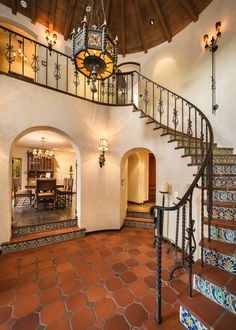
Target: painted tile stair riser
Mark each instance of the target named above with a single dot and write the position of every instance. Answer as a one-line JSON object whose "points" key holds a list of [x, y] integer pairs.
{"points": [[224, 213], [193, 151], [138, 214], [138, 224], [215, 293], [189, 321], [217, 159], [219, 260], [224, 196], [223, 234], [224, 169], [193, 145], [223, 181]]}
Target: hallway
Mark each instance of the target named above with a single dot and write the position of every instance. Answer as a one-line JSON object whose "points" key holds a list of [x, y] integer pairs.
{"points": [[105, 280]]}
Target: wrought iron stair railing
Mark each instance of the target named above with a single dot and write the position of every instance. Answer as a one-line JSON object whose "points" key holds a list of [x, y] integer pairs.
{"points": [[176, 116]]}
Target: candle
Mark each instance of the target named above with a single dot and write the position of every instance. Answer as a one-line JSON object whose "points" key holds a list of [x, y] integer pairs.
{"points": [[164, 187]]}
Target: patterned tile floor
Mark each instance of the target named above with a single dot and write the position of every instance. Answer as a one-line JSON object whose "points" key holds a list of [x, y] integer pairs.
{"points": [[103, 281]]}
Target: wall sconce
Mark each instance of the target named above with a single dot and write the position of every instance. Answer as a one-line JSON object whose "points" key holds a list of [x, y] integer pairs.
{"points": [[103, 146], [51, 40], [212, 46]]}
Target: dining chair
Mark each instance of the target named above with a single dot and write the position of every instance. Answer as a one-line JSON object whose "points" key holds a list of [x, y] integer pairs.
{"points": [[45, 192], [19, 193]]}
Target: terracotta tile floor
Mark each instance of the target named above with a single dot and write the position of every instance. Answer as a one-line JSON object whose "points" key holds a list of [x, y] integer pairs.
{"points": [[103, 281]]}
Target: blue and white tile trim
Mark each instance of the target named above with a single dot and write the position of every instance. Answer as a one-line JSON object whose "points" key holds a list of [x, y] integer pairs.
{"points": [[215, 293], [219, 260], [224, 196], [223, 234], [189, 321]]}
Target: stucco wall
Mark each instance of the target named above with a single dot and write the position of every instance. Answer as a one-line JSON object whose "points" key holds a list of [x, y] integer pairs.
{"points": [[24, 106]]}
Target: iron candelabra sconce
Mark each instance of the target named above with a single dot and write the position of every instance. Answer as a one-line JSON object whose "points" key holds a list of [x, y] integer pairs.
{"points": [[103, 146], [51, 40], [213, 46]]}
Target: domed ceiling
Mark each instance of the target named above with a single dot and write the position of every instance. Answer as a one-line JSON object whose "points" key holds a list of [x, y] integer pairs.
{"points": [[139, 24]]}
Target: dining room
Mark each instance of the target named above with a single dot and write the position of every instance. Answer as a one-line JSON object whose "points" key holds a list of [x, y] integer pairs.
{"points": [[44, 180]]}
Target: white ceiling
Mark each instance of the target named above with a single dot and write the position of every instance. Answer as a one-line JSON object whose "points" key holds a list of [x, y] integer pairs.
{"points": [[53, 141]]}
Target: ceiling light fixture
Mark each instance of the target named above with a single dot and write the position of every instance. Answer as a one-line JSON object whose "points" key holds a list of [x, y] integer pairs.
{"points": [[94, 54], [23, 4], [43, 153], [151, 21]]}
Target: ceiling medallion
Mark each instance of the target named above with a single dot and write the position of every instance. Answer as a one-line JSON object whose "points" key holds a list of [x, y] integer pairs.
{"points": [[94, 54]]}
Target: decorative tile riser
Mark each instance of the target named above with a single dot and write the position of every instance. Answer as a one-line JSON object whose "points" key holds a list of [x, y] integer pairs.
{"points": [[224, 213], [27, 230], [220, 260], [223, 234], [180, 137], [215, 293], [189, 321], [224, 196], [138, 224], [223, 181], [194, 151], [191, 144], [223, 169], [20, 246], [139, 215], [221, 159]]}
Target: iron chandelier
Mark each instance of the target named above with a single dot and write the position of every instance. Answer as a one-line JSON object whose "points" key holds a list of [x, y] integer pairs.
{"points": [[94, 54]]}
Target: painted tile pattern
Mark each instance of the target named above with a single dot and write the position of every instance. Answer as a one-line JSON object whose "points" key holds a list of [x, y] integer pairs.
{"points": [[138, 214], [220, 260], [189, 321], [215, 293], [138, 224], [223, 181], [224, 213], [223, 234], [215, 151], [221, 159], [224, 196]]}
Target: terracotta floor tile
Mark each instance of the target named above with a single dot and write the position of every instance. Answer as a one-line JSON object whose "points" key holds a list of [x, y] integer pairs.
{"points": [[90, 280], [71, 286], [6, 297], [105, 253], [76, 301], [47, 282], [68, 275], [8, 284], [132, 262], [63, 267], [128, 277], [26, 278], [117, 249], [45, 264], [59, 325], [29, 322], [142, 271], [149, 303], [83, 319], [113, 284], [139, 288], [5, 314], [27, 269], [25, 306], [96, 293], [50, 295], [106, 274], [104, 308], [150, 281], [136, 315], [27, 290], [119, 267], [117, 322], [178, 286], [151, 265], [168, 295], [83, 270], [50, 271], [52, 312], [123, 297]]}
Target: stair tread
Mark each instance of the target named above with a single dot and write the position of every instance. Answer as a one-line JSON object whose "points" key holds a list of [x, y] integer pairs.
{"points": [[202, 308], [221, 223], [227, 322], [223, 204], [215, 275], [42, 235], [222, 247], [139, 219]]}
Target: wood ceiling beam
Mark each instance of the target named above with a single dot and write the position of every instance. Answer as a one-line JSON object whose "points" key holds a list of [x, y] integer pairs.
{"points": [[13, 5], [162, 19], [107, 11], [52, 14], [69, 18], [122, 21], [33, 11], [189, 8], [140, 25]]}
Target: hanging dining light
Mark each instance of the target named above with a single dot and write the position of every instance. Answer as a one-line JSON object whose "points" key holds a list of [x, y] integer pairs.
{"points": [[42, 152], [94, 54]]}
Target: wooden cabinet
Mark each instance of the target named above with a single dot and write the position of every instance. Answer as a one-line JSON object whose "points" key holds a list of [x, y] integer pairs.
{"points": [[38, 167]]}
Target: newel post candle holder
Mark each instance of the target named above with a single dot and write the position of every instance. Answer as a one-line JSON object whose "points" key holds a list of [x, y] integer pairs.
{"points": [[164, 190]]}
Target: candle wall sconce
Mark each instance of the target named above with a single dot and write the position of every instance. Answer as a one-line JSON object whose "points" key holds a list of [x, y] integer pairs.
{"points": [[103, 146], [213, 46]]}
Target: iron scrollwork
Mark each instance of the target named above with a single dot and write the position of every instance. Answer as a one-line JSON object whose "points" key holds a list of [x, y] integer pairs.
{"points": [[57, 71], [10, 55], [35, 63]]}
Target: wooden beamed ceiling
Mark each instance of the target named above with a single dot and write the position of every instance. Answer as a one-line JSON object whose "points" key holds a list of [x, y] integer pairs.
{"points": [[129, 19]]}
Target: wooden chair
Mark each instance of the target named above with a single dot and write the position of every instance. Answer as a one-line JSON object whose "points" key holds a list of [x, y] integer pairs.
{"points": [[64, 194], [45, 192], [20, 193]]}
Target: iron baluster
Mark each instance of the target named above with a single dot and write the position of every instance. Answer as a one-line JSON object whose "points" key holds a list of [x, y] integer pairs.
{"points": [[160, 106], [202, 194], [67, 74], [168, 107], [195, 121], [132, 88], [183, 233], [160, 216], [175, 119], [177, 233], [153, 102], [10, 55], [182, 115], [23, 57], [46, 66], [35, 63], [190, 232]]}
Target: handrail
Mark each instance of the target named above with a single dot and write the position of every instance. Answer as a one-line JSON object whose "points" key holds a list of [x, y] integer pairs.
{"points": [[169, 111]]}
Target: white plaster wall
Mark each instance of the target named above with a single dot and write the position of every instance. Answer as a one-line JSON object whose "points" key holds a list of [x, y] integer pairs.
{"points": [[23, 106], [184, 66]]}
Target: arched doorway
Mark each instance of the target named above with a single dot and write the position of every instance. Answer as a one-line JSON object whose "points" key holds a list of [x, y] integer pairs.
{"points": [[43, 156], [138, 180]]}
